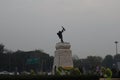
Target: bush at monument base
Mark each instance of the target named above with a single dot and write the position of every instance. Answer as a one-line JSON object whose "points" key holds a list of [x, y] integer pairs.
{"points": [[67, 71], [106, 73]]}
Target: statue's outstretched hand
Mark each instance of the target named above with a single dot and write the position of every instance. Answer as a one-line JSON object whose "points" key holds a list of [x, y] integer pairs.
{"points": [[63, 28]]}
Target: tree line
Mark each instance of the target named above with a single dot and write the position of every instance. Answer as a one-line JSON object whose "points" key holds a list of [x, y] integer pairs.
{"points": [[91, 63], [38, 60]]}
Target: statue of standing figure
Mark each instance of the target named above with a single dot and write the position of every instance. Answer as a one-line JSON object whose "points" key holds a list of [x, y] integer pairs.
{"points": [[60, 34]]}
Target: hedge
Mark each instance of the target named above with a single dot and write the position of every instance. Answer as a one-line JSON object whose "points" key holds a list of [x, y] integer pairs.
{"points": [[51, 77]]}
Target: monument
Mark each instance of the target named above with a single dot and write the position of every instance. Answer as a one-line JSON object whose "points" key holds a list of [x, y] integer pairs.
{"points": [[63, 54]]}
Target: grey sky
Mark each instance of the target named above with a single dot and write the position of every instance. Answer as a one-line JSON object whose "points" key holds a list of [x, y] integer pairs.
{"points": [[92, 25]]}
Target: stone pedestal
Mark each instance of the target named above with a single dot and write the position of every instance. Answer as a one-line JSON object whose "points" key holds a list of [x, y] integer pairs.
{"points": [[63, 55]]}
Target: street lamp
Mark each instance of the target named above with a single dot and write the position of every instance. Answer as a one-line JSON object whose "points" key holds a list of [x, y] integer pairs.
{"points": [[116, 42]]}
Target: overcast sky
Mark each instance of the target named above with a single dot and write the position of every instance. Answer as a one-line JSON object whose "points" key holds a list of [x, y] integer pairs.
{"points": [[92, 26]]}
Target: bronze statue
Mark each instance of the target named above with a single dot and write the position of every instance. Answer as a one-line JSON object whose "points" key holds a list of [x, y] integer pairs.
{"points": [[60, 34]]}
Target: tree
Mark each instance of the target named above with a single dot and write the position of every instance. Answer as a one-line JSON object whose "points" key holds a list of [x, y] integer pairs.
{"points": [[9, 61], [108, 61], [1, 48], [88, 64], [94, 61], [76, 61], [117, 58], [75, 57]]}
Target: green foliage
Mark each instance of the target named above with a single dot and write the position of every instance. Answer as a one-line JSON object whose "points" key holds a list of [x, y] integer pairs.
{"points": [[41, 61], [32, 72], [25, 61], [69, 71], [94, 60], [1, 48], [58, 72], [108, 73], [108, 61], [60, 69], [103, 70], [38, 77], [75, 71], [117, 58], [89, 63]]}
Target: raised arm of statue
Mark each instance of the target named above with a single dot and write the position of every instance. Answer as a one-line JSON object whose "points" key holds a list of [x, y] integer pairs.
{"points": [[63, 29], [60, 34]]}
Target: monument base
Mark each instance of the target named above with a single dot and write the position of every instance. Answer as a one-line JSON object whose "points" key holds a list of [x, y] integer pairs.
{"points": [[63, 55]]}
